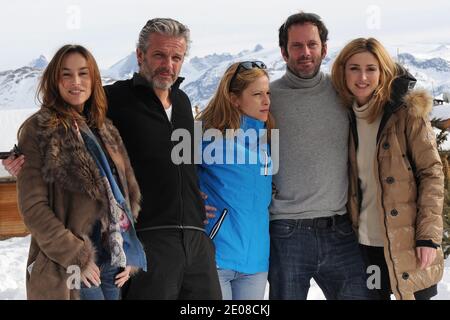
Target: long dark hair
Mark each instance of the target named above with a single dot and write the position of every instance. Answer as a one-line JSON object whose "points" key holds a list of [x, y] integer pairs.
{"points": [[49, 96]]}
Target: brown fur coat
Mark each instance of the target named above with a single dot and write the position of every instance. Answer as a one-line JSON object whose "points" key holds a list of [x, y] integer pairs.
{"points": [[60, 198]]}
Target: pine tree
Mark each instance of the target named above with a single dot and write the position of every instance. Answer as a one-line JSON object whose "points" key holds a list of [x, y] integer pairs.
{"points": [[446, 212]]}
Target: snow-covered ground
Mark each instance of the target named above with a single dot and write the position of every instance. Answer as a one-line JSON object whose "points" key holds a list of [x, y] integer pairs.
{"points": [[441, 111], [14, 252], [13, 259]]}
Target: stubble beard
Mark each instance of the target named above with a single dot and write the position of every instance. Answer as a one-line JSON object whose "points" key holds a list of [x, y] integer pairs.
{"points": [[303, 75], [152, 80]]}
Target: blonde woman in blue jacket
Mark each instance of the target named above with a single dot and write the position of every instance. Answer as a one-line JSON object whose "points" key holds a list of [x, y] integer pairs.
{"points": [[236, 176]]}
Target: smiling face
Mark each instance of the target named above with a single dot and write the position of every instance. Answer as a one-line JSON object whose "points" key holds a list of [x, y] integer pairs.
{"points": [[161, 63], [362, 76], [254, 101], [305, 50], [75, 84]]}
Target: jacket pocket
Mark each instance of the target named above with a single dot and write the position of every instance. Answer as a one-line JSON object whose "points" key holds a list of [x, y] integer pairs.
{"points": [[344, 229], [282, 228], [37, 265]]}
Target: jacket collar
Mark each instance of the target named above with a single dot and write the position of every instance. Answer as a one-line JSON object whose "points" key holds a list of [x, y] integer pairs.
{"points": [[251, 123], [296, 82], [65, 159], [400, 86]]}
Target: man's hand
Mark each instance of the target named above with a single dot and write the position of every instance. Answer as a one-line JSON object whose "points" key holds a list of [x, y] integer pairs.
{"points": [[13, 164], [123, 277], [210, 210], [426, 256]]}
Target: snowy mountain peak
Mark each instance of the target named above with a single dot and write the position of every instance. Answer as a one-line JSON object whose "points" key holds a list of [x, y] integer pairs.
{"points": [[39, 63], [437, 64], [258, 47], [124, 68], [210, 60], [432, 71], [442, 47]]}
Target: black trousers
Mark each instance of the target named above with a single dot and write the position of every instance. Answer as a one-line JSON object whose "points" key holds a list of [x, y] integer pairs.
{"points": [[181, 265], [375, 256]]}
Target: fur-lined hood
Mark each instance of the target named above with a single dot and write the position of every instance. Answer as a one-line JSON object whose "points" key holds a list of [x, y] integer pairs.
{"points": [[419, 103]]}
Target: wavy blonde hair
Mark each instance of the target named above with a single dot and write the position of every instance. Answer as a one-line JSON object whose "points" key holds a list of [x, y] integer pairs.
{"points": [[388, 72]]}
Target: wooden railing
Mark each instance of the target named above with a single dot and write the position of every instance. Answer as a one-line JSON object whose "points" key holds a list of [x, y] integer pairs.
{"points": [[11, 223]]}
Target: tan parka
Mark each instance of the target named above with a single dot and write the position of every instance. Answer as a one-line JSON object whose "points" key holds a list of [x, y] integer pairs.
{"points": [[60, 196], [410, 189]]}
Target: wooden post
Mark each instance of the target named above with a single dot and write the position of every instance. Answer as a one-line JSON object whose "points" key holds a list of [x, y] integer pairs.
{"points": [[11, 223]]}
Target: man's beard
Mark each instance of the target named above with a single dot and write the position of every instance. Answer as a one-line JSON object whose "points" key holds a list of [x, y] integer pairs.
{"points": [[153, 80], [309, 75]]}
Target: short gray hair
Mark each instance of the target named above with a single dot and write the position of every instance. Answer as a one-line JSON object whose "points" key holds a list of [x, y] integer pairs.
{"points": [[164, 26]]}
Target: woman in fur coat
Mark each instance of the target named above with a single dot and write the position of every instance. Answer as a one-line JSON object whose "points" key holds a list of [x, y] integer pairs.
{"points": [[76, 191], [396, 187]]}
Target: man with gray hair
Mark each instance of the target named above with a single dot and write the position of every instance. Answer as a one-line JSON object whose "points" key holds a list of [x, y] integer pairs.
{"points": [[147, 109]]}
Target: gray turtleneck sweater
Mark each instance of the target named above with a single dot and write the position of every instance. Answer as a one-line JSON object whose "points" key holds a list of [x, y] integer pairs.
{"points": [[312, 179]]}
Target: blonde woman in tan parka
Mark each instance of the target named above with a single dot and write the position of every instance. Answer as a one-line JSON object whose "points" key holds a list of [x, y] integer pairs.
{"points": [[396, 188]]}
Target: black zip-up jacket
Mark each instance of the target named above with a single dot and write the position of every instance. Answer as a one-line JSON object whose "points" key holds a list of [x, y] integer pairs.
{"points": [[170, 193]]}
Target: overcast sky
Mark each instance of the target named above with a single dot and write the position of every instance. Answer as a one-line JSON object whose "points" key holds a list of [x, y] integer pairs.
{"points": [[109, 28]]}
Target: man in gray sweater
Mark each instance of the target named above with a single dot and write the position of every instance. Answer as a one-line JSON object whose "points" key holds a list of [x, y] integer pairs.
{"points": [[311, 234]]}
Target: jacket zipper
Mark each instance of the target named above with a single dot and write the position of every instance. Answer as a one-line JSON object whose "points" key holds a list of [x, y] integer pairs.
{"points": [[266, 164], [218, 224], [180, 185], [180, 177], [355, 137]]}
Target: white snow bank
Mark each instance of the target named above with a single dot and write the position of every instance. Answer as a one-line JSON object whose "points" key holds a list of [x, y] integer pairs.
{"points": [[13, 258]]}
